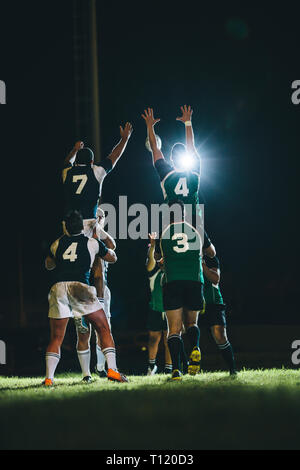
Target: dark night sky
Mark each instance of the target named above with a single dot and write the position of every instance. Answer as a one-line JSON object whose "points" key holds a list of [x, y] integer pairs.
{"points": [[234, 65]]}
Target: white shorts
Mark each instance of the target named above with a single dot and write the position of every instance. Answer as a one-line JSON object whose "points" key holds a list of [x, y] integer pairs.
{"points": [[88, 227], [72, 299]]}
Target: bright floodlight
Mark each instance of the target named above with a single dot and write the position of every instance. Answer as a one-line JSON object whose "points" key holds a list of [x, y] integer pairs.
{"points": [[186, 161]]}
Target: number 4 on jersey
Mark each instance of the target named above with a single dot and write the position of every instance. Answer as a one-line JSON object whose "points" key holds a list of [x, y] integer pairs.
{"points": [[181, 187], [70, 252]]}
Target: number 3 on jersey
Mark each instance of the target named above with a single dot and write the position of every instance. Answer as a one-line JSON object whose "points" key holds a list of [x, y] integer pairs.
{"points": [[70, 252], [182, 242], [181, 187], [82, 179]]}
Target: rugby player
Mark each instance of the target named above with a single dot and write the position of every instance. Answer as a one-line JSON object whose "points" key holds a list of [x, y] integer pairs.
{"points": [[181, 248], [215, 310], [71, 258], [177, 181], [157, 324], [82, 178], [99, 274]]}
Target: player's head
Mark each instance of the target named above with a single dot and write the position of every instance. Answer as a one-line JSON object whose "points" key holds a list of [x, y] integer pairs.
{"points": [[100, 214], [177, 152], [176, 207], [74, 222], [84, 156]]}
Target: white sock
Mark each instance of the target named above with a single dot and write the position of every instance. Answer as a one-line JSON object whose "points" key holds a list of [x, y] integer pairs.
{"points": [[100, 359], [52, 359], [110, 356], [84, 360]]}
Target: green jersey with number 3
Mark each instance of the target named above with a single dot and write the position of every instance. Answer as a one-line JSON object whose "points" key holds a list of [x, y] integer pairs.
{"points": [[181, 248]]}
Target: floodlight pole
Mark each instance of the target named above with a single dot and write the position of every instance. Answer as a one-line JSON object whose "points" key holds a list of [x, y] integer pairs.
{"points": [[95, 81]]}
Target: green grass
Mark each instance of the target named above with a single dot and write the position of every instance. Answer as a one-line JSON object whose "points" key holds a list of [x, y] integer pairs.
{"points": [[257, 410]]}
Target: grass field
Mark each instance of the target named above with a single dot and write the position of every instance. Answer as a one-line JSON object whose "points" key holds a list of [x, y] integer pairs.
{"points": [[259, 409]]}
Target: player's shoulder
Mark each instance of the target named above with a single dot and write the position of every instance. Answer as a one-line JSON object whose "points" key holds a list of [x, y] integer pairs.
{"points": [[105, 166], [163, 168]]}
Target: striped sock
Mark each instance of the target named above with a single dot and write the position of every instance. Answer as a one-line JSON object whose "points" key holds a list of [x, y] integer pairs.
{"points": [[227, 354], [52, 359], [110, 356], [168, 367], [174, 343], [84, 360], [100, 359]]}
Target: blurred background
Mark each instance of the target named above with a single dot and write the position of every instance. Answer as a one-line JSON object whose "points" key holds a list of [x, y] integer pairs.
{"points": [[76, 70]]}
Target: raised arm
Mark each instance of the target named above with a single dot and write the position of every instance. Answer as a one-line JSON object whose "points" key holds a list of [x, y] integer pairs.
{"points": [[150, 123], [186, 118], [151, 262], [118, 150], [70, 158]]}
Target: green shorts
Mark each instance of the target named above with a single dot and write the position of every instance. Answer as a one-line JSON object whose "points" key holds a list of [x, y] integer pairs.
{"points": [[157, 321]]}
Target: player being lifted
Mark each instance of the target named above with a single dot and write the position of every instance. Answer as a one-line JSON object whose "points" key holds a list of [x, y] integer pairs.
{"points": [[182, 180], [82, 178], [157, 323], [215, 316], [71, 258], [181, 248]]}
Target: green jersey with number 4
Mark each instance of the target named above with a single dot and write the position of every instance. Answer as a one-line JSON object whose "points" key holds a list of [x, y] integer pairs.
{"points": [[181, 248], [182, 185]]}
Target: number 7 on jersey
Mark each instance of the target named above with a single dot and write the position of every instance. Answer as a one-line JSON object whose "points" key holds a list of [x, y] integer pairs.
{"points": [[82, 179]]}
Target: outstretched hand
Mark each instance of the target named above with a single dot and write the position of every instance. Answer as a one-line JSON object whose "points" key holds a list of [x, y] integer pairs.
{"points": [[149, 118], [186, 114], [152, 238], [127, 131]]}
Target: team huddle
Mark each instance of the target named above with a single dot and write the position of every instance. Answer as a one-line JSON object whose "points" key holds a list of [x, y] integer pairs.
{"points": [[183, 269]]}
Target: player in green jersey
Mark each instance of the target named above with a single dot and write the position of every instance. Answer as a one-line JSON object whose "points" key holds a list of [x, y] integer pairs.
{"points": [[181, 248], [215, 316], [157, 322], [181, 179]]}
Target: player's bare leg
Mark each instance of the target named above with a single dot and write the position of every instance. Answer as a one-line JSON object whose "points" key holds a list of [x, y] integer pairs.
{"points": [[99, 322], [174, 318], [220, 336], [193, 334], [57, 334], [153, 342], [84, 353]]}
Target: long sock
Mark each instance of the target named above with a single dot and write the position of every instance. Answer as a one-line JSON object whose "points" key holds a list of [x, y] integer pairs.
{"points": [[183, 357], [151, 363], [168, 368], [193, 334], [227, 354], [84, 360], [110, 356], [174, 343], [52, 359], [100, 359]]}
